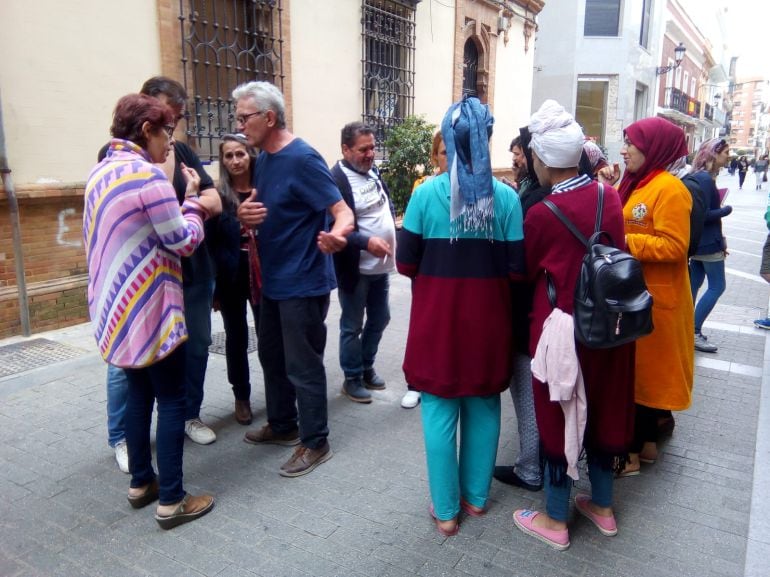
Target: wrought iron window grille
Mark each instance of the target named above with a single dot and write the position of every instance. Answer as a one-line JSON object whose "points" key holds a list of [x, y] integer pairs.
{"points": [[387, 59], [225, 43]]}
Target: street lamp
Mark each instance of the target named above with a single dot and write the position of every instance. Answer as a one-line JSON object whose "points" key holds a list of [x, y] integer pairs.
{"points": [[678, 57]]}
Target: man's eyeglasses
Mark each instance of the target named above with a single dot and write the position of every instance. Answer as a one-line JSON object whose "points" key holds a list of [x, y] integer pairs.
{"points": [[245, 117]]}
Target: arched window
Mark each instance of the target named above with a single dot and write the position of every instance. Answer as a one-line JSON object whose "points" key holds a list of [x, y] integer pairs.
{"points": [[470, 68]]}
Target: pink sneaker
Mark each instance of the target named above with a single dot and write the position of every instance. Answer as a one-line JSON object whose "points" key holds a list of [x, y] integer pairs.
{"points": [[523, 518], [606, 525]]}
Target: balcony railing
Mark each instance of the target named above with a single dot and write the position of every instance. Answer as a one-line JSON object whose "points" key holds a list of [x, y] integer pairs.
{"points": [[679, 101]]}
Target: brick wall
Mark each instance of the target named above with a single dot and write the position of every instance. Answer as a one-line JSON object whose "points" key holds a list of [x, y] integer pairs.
{"points": [[51, 219]]}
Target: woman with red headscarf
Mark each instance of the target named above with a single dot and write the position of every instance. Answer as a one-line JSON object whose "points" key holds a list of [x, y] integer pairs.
{"points": [[657, 222]]}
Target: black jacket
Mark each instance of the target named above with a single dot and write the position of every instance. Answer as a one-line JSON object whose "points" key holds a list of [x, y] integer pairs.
{"points": [[346, 261], [711, 240]]}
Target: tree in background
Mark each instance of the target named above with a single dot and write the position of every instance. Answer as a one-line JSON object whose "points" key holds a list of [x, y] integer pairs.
{"points": [[408, 149]]}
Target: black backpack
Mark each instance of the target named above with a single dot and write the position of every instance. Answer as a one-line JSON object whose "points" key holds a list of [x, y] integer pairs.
{"points": [[698, 212], [612, 305]]}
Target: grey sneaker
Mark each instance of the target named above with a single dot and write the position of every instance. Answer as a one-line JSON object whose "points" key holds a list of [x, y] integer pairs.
{"points": [[702, 344], [373, 381], [354, 390]]}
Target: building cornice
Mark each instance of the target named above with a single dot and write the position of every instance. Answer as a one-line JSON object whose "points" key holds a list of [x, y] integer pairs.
{"points": [[533, 6]]}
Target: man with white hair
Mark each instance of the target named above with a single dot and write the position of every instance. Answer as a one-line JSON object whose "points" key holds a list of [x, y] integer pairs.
{"points": [[293, 196]]}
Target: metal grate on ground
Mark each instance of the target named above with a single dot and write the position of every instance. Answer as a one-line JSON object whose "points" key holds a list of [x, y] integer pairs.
{"points": [[218, 342], [34, 354]]}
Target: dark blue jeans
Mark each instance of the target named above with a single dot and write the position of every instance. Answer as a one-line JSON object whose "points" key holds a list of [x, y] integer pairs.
{"points": [[358, 340], [197, 317], [164, 381], [232, 304], [714, 272], [292, 339]]}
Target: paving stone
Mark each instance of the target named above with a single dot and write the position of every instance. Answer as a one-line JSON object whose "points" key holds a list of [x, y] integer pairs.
{"points": [[364, 513]]}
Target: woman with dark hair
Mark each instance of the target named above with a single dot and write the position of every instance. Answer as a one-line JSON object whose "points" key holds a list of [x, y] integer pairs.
{"points": [[234, 248], [134, 232], [657, 222], [708, 261], [743, 168]]}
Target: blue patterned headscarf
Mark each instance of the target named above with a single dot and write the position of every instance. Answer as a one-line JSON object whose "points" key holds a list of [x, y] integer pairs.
{"points": [[466, 129]]}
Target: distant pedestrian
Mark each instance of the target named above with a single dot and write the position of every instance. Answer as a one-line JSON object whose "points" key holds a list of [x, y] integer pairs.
{"points": [[293, 201], [760, 171], [134, 233], [743, 168], [657, 224], [461, 243], [708, 261], [733, 166], [363, 267]]}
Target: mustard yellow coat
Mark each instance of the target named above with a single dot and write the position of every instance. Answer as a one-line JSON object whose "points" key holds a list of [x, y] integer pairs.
{"points": [[657, 224]]}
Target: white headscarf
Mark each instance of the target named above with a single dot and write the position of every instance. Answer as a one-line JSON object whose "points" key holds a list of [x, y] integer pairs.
{"points": [[556, 138]]}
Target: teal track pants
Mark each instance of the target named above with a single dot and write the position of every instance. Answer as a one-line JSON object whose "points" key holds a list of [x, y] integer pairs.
{"points": [[471, 475]]}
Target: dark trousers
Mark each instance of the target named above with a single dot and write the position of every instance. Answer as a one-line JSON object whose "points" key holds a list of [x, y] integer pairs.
{"points": [[197, 318], [292, 339], [741, 178], [164, 381], [232, 304], [646, 426]]}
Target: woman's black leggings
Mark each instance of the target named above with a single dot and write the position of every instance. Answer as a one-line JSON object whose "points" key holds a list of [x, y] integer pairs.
{"points": [[646, 426]]}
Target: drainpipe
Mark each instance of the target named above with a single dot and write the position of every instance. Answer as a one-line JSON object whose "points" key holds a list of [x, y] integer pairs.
{"points": [[18, 256]]}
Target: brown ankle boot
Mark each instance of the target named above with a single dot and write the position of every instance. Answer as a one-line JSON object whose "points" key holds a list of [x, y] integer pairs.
{"points": [[243, 412]]}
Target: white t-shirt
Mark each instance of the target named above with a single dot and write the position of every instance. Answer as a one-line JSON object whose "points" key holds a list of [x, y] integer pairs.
{"points": [[373, 217]]}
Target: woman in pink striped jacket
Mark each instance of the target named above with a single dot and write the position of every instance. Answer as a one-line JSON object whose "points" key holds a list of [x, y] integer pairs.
{"points": [[134, 232]]}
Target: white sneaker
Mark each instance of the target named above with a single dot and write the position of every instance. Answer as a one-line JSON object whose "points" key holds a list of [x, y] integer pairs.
{"points": [[411, 399], [121, 455], [199, 433]]}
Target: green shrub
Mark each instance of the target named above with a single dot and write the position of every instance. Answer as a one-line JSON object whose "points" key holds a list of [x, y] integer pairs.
{"points": [[408, 147]]}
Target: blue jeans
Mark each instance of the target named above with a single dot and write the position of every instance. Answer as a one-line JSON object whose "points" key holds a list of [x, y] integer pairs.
{"points": [[359, 341], [197, 317], [232, 304], [468, 476], [715, 273], [292, 339], [164, 381], [117, 394], [557, 496]]}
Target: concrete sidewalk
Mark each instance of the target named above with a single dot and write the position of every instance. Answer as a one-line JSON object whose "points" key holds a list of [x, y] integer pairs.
{"points": [[702, 510]]}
